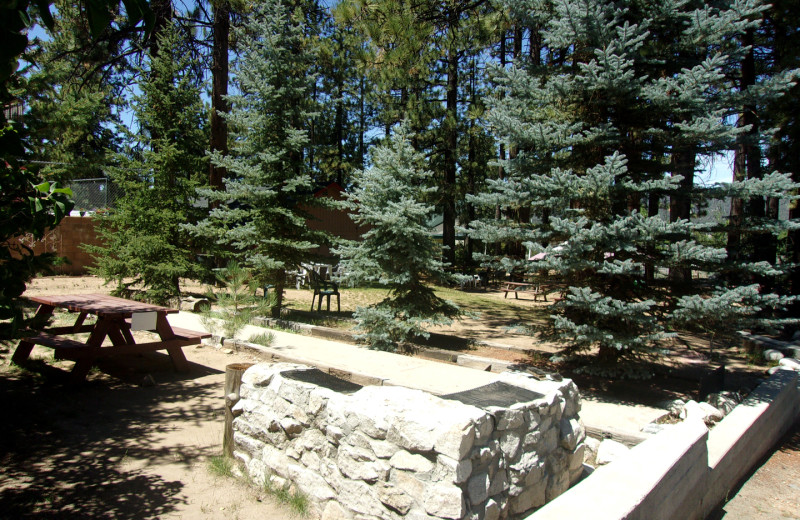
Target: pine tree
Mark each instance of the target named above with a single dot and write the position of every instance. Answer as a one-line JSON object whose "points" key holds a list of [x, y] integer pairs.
{"points": [[609, 127], [144, 241], [397, 252], [260, 217], [70, 99]]}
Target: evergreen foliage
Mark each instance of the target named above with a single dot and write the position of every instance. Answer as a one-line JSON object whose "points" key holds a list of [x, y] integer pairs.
{"points": [[144, 241], [71, 98], [397, 251], [235, 304], [612, 122], [260, 217]]}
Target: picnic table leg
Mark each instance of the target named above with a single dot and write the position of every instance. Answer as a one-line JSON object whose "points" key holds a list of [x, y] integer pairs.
{"points": [[79, 321], [24, 348], [119, 333], [176, 354], [22, 353], [84, 364]]}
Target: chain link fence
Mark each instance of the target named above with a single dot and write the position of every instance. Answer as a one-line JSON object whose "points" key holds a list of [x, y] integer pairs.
{"points": [[94, 194]]}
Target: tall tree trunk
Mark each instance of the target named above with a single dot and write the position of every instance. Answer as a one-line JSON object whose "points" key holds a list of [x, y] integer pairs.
{"points": [[653, 204], [743, 158], [680, 203], [339, 129], [502, 150], [450, 159], [162, 16], [219, 89], [362, 121]]}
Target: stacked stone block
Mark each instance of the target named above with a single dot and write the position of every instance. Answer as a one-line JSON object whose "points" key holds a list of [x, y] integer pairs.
{"points": [[396, 453]]}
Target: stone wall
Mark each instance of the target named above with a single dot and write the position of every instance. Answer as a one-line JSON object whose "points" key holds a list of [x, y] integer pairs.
{"points": [[386, 452]]}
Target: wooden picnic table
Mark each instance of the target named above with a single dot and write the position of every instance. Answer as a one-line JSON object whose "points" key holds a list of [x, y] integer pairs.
{"points": [[116, 317], [516, 287]]}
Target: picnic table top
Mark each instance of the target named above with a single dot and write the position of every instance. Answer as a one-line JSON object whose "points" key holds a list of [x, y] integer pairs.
{"points": [[518, 284], [100, 304]]}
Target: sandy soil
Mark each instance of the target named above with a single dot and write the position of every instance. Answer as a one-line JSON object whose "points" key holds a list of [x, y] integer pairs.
{"points": [[773, 491], [114, 448]]}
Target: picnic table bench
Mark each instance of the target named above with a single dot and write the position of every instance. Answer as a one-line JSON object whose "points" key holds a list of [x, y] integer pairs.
{"points": [[116, 318]]}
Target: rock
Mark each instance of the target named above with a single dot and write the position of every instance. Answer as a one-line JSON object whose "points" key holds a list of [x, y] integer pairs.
{"points": [[610, 450], [360, 464], [311, 483], [491, 510], [571, 434], [791, 364], [383, 449], [774, 369], [724, 401], [498, 483], [710, 414], [509, 419], [361, 498], [701, 411], [278, 482], [291, 426], [556, 485], [773, 355], [451, 470], [510, 443], [334, 511], [478, 488], [227, 351], [194, 304], [394, 498], [673, 406], [416, 463], [590, 453], [444, 501], [148, 381], [533, 496], [692, 410], [577, 456]]}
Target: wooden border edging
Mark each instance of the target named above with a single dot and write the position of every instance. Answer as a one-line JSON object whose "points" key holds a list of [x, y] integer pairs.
{"points": [[685, 471]]}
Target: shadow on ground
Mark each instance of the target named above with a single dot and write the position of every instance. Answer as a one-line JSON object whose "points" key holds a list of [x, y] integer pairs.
{"points": [[63, 449]]}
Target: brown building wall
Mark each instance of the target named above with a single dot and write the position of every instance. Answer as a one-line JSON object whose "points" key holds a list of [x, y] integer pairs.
{"points": [[67, 238], [66, 241]]}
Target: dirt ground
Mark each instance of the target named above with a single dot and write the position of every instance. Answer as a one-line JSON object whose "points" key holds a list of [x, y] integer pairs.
{"points": [[113, 448], [117, 449], [773, 490]]}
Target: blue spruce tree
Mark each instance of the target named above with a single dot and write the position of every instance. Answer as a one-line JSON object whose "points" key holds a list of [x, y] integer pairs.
{"points": [[609, 122], [398, 251]]}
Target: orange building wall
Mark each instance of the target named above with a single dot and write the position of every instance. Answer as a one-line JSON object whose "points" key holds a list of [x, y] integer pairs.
{"points": [[66, 240], [68, 237]]}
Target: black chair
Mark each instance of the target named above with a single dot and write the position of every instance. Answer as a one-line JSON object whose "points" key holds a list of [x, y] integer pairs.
{"points": [[322, 288]]}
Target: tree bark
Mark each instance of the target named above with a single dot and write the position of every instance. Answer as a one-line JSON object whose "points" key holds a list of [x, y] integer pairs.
{"points": [[745, 162], [450, 159], [680, 203], [219, 89]]}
